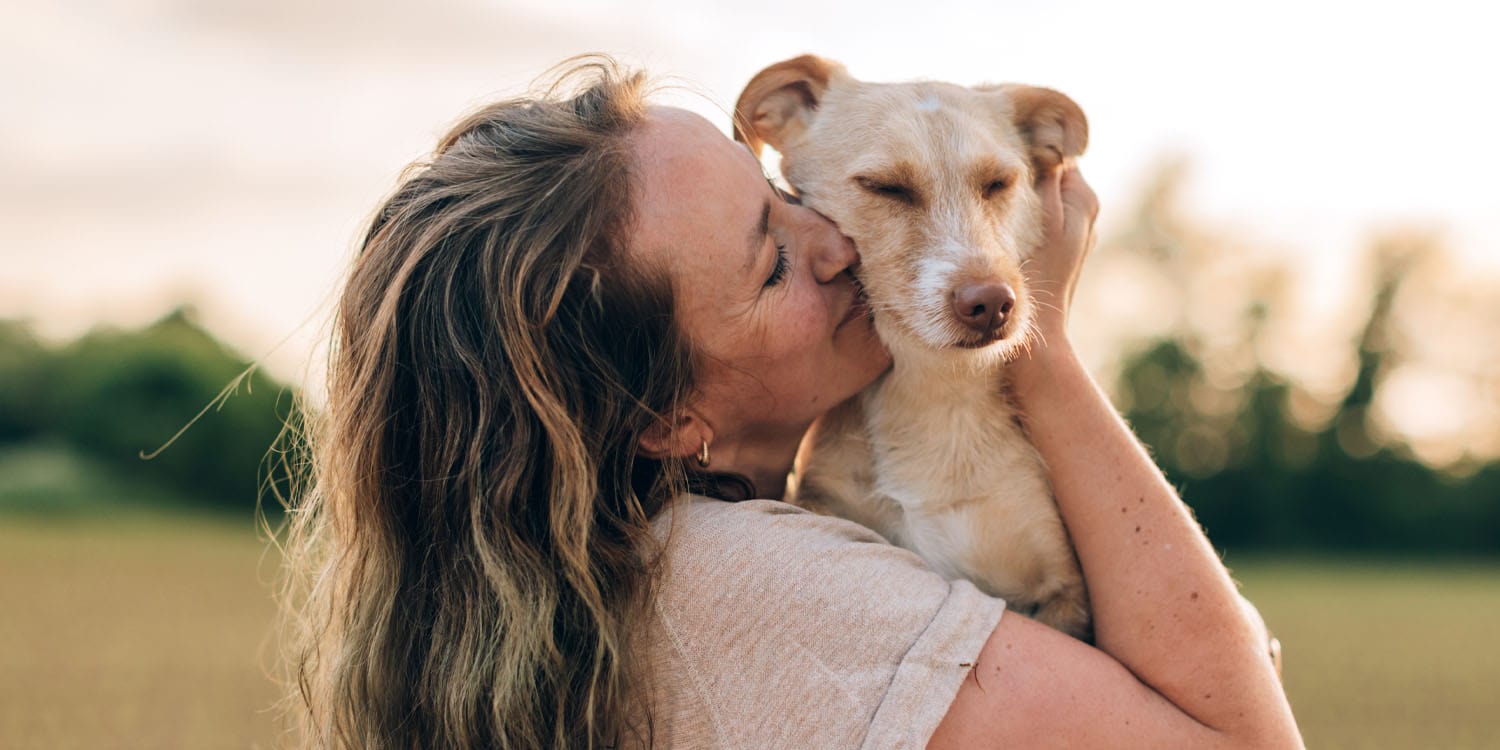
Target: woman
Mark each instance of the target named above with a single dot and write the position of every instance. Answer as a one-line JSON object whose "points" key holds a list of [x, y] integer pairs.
{"points": [[580, 309]]}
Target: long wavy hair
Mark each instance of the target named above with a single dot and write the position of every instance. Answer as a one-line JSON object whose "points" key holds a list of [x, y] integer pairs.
{"points": [[473, 554]]}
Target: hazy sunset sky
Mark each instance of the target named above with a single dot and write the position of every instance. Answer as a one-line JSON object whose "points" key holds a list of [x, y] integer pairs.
{"points": [[226, 152]]}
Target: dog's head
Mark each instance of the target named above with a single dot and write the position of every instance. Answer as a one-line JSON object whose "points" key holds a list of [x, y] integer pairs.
{"points": [[935, 183]]}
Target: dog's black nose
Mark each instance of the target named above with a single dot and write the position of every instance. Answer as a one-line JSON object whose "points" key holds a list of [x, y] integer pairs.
{"points": [[982, 307]]}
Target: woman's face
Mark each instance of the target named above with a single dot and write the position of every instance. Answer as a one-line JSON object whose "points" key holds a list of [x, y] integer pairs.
{"points": [[762, 284]]}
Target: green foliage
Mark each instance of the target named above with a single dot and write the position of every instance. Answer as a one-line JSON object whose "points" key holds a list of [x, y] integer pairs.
{"points": [[112, 396], [24, 364], [1220, 420], [1256, 479]]}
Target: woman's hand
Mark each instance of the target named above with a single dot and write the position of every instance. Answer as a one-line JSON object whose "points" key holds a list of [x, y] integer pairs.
{"points": [[1070, 208]]}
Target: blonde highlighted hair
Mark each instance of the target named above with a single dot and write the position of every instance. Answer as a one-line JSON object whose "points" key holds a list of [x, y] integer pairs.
{"points": [[473, 554]]}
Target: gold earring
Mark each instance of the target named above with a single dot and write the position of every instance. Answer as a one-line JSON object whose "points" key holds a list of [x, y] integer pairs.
{"points": [[703, 455]]}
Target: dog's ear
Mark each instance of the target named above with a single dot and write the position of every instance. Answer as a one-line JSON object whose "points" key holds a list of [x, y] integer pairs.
{"points": [[779, 102], [1053, 125]]}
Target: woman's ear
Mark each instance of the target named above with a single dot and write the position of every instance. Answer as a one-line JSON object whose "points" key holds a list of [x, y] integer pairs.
{"points": [[680, 436]]}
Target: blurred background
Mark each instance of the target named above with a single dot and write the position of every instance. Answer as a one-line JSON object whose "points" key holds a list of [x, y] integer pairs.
{"points": [[1296, 301]]}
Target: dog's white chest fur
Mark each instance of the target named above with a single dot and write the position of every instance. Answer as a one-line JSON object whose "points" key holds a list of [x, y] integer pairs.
{"points": [[941, 467]]}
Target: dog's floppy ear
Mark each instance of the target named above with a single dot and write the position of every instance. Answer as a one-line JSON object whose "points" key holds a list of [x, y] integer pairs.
{"points": [[1052, 124], [779, 102]]}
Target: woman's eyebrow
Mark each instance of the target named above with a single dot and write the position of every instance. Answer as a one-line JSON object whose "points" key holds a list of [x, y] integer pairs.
{"points": [[758, 235]]}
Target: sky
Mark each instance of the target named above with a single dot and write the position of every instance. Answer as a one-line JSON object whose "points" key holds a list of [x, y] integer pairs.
{"points": [[226, 153]]}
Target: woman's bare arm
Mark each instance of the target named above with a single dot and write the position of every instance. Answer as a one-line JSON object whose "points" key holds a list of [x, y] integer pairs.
{"points": [[1179, 662]]}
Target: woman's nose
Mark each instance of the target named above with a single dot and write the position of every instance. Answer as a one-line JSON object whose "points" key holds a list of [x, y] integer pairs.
{"points": [[835, 253]]}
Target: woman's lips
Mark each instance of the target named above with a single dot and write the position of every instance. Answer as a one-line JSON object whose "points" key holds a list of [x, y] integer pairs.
{"points": [[858, 307]]}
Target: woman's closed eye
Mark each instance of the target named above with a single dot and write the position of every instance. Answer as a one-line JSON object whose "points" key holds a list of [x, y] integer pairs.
{"points": [[783, 264], [779, 271]]}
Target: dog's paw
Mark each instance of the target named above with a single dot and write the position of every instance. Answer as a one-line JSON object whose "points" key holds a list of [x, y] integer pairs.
{"points": [[1068, 611]]}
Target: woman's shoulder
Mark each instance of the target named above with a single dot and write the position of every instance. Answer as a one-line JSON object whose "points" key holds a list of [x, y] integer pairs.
{"points": [[720, 550], [698, 516], [817, 617], [698, 531]]}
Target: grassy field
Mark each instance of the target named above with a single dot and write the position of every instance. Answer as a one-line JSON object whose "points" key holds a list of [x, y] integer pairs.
{"points": [[133, 632], [153, 633], [1386, 655]]}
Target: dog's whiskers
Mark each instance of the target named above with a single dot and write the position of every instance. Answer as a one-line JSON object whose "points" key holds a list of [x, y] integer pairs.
{"points": [[1048, 305]]}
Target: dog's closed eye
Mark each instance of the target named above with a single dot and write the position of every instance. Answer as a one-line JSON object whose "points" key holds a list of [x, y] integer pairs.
{"points": [[994, 177], [885, 189], [995, 188]]}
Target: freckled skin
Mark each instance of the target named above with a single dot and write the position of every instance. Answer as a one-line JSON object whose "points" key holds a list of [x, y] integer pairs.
{"points": [[772, 358]]}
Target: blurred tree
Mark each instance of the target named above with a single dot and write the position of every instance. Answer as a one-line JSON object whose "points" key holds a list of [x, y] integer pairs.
{"points": [[116, 395], [24, 364], [1219, 419]]}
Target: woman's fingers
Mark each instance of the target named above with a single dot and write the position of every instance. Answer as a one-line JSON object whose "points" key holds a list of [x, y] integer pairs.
{"points": [[1069, 207], [1080, 209], [1076, 193], [1050, 189]]}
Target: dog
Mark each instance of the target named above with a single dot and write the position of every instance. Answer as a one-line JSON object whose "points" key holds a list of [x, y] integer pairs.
{"points": [[935, 184]]}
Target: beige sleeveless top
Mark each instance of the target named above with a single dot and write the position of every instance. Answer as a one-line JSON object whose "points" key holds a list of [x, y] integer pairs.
{"points": [[778, 628]]}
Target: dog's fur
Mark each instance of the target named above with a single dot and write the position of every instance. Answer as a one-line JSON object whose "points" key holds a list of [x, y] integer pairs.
{"points": [[935, 183]]}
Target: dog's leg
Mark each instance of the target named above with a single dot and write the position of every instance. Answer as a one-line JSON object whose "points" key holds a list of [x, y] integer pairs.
{"points": [[1068, 610], [835, 473]]}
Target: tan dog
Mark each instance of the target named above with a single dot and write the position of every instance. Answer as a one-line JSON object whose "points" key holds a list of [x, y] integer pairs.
{"points": [[935, 184]]}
